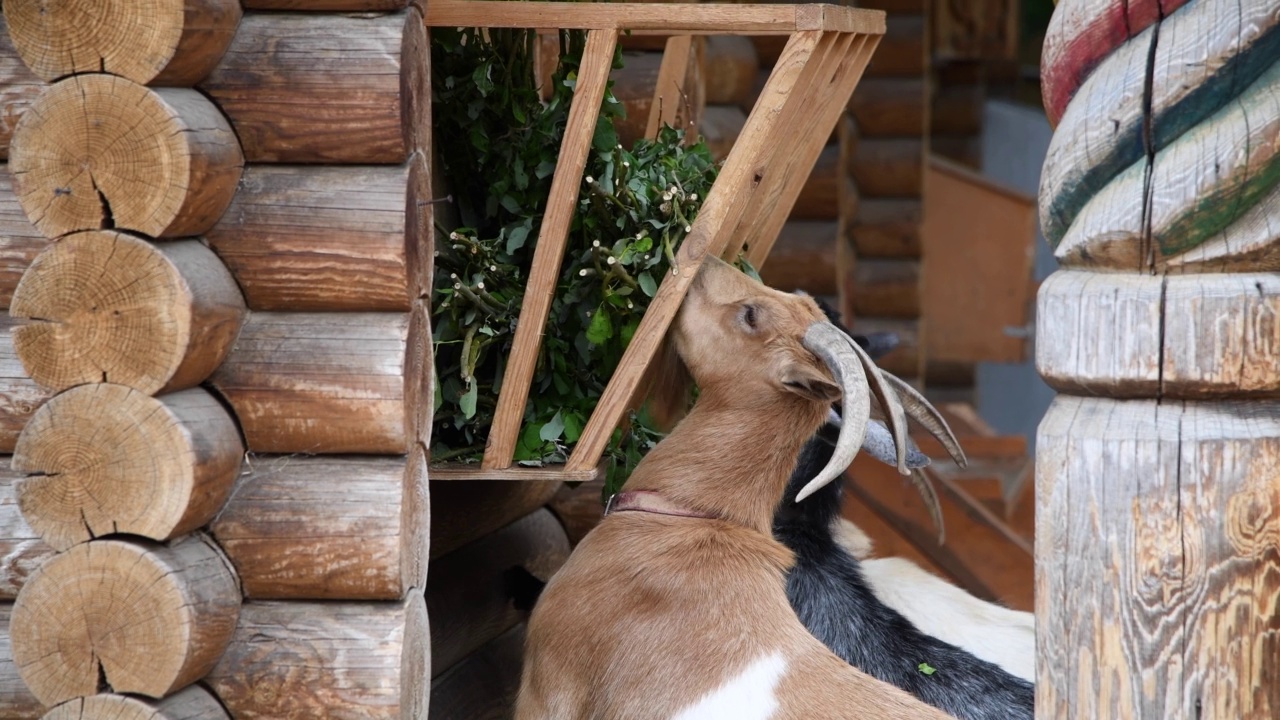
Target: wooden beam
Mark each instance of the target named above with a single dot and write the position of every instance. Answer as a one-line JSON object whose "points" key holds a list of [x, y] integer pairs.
{"points": [[593, 74]]}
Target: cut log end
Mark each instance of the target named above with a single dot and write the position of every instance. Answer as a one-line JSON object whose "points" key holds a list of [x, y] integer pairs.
{"points": [[192, 703], [99, 152], [107, 459], [151, 619], [108, 307], [172, 42]]}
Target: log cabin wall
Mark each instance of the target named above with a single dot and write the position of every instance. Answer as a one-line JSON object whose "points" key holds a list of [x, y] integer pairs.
{"points": [[1158, 465]]}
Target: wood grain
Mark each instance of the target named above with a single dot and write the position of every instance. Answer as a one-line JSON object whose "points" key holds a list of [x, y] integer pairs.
{"points": [[19, 87], [20, 242], [166, 42], [16, 701], [1190, 336], [1156, 548], [578, 508], [804, 258], [721, 126], [588, 93], [104, 306], [470, 599], [887, 288], [162, 162], [325, 88], [20, 396], [821, 194], [731, 69], [1205, 56], [887, 227], [192, 703], [326, 383], [326, 5], [21, 549], [150, 618], [889, 167], [890, 107], [328, 528], [679, 95], [368, 660], [102, 459], [328, 238], [902, 52]]}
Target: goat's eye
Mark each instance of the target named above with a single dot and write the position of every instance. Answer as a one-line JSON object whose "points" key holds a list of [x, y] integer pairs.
{"points": [[748, 316]]}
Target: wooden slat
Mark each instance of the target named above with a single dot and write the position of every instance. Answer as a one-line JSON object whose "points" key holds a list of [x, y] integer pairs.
{"points": [[593, 74], [659, 18], [671, 75], [549, 472], [847, 74], [710, 233]]}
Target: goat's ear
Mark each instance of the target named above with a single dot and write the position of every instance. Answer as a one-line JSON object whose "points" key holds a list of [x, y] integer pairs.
{"points": [[808, 382], [668, 385]]}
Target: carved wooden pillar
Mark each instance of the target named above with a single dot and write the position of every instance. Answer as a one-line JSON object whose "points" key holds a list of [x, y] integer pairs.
{"points": [[1158, 468]]}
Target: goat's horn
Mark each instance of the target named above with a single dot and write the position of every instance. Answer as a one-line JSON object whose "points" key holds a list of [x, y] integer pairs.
{"points": [[880, 444], [836, 350], [889, 402], [929, 417]]}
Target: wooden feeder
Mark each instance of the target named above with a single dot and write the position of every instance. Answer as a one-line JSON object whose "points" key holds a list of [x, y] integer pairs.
{"points": [[826, 52]]}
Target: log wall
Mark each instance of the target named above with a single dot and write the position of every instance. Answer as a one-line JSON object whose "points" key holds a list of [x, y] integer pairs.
{"points": [[1158, 545]]}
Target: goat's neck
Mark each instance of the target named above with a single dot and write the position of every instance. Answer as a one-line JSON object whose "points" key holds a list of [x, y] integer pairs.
{"points": [[731, 460]]}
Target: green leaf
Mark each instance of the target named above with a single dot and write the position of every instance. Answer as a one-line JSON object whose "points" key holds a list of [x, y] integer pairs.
{"points": [[925, 668], [516, 237], [553, 429], [605, 138], [510, 204], [643, 245], [601, 328], [437, 393], [545, 169], [468, 400], [572, 427], [647, 284]]}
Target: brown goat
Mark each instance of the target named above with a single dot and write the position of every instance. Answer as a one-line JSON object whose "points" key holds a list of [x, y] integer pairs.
{"points": [[675, 606]]}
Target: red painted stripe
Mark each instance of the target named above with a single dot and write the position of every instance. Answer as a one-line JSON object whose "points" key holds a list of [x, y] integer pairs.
{"points": [[1084, 32]]}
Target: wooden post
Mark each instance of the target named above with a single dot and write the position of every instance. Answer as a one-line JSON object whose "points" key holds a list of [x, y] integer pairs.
{"points": [[21, 549], [16, 701], [1158, 541], [192, 703]]}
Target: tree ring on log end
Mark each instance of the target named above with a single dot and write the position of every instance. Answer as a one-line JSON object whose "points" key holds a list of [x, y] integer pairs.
{"points": [[193, 703], [108, 307], [151, 618], [107, 459], [1180, 336], [98, 152], [171, 42]]}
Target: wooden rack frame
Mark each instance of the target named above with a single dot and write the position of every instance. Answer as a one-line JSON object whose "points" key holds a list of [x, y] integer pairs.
{"points": [[824, 58]]}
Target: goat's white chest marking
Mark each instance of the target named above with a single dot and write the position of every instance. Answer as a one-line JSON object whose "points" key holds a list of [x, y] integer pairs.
{"points": [[749, 695]]}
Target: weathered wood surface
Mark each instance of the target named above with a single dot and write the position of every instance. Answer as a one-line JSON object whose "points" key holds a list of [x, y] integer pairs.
{"points": [[979, 249], [483, 686], [16, 700], [1082, 33], [887, 227], [828, 193], [464, 510], [472, 596], [104, 459], [19, 87], [104, 306], [1205, 56], [162, 162], [20, 396], [902, 51], [327, 660], [165, 42], [1158, 572], [328, 528], [889, 167], [150, 618], [887, 288], [192, 703], [731, 67], [985, 30], [325, 382], [329, 238], [579, 509], [325, 88], [804, 258], [890, 107], [20, 242], [21, 549], [326, 5], [1190, 336]]}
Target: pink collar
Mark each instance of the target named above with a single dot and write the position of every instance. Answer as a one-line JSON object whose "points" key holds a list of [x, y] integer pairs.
{"points": [[650, 502]]}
